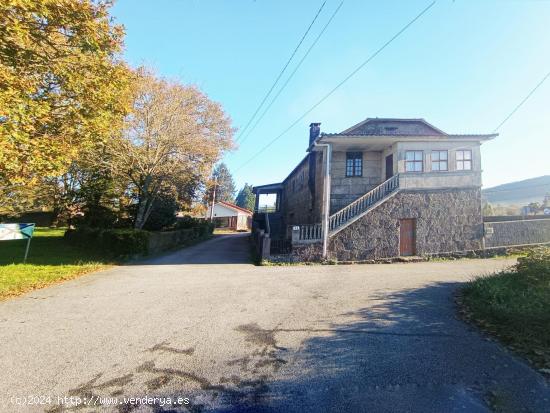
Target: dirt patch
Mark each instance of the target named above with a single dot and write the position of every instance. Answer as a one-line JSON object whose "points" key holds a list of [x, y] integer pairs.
{"points": [[257, 335]]}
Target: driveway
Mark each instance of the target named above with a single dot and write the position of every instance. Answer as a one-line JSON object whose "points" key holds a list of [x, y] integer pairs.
{"points": [[204, 324]]}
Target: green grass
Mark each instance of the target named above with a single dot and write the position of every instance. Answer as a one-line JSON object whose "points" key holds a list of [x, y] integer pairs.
{"points": [[515, 306], [51, 259]]}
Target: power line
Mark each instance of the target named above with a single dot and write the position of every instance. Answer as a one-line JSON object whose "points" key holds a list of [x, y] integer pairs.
{"points": [[282, 71], [292, 74], [523, 101], [372, 56]]}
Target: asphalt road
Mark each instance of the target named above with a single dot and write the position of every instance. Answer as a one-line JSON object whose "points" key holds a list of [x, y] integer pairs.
{"points": [[204, 324]]}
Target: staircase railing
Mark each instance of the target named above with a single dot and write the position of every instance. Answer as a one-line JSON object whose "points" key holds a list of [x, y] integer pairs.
{"points": [[311, 232], [363, 203]]}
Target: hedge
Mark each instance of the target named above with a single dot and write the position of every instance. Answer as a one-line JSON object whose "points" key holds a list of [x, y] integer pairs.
{"points": [[112, 242], [119, 243]]}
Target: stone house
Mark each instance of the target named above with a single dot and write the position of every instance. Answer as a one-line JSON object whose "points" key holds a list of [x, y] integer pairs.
{"points": [[381, 188]]}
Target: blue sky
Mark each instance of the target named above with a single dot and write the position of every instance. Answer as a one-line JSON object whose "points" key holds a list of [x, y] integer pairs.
{"points": [[463, 66]]}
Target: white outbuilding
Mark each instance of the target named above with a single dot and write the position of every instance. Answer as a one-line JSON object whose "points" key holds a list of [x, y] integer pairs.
{"points": [[230, 216]]}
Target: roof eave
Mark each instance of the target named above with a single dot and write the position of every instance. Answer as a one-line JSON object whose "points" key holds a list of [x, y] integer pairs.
{"points": [[277, 185], [326, 136]]}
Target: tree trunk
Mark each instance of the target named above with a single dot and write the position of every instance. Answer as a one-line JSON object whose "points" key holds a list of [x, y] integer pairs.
{"points": [[148, 195], [143, 204]]}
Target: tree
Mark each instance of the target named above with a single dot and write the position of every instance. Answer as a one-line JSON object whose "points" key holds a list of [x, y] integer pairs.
{"points": [[62, 86], [163, 213], [535, 207], [246, 198], [488, 210], [170, 140], [225, 186]]}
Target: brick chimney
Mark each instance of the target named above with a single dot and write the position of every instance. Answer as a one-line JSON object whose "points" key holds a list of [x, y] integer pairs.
{"points": [[314, 132]]}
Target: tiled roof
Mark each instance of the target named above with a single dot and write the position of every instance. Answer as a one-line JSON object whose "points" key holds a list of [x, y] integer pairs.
{"points": [[233, 206], [379, 126], [408, 134]]}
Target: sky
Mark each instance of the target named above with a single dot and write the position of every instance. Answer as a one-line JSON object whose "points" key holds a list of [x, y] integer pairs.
{"points": [[463, 66]]}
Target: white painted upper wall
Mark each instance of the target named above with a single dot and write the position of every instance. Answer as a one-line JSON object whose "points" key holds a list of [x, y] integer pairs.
{"points": [[374, 165], [221, 211], [427, 147]]}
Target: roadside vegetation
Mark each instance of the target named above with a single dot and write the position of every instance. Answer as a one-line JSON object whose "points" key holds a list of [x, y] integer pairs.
{"points": [[113, 152], [514, 306], [99, 143], [51, 259], [58, 254]]}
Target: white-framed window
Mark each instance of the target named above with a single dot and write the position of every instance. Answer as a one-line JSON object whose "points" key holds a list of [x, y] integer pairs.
{"points": [[464, 160], [354, 164], [440, 161], [414, 161]]}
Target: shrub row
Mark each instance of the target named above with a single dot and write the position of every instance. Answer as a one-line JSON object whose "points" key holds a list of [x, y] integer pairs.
{"points": [[119, 243], [111, 242]]}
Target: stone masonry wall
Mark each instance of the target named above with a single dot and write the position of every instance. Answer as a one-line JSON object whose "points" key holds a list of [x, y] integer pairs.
{"points": [[302, 200], [344, 190], [501, 234], [296, 195], [446, 221]]}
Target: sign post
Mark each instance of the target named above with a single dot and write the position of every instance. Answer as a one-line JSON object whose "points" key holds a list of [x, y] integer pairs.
{"points": [[9, 232]]}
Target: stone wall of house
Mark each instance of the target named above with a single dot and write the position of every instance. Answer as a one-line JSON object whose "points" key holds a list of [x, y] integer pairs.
{"points": [[345, 190], [303, 191], [508, 233], [307, 252], [446, 221]]}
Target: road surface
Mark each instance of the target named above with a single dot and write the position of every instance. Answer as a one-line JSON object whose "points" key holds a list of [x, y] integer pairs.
{"points": [[204, 325]]}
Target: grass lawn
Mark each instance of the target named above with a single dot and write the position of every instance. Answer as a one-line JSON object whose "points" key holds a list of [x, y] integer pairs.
{"points": [[515, 306], [51, 259]]}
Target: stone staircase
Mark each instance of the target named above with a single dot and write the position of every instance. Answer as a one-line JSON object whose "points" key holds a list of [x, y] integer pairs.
{"points": [[352, 212]]}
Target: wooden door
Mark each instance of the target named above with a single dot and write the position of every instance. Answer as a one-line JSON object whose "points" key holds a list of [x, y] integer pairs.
{"points": [[389, 166], [407, 237]]}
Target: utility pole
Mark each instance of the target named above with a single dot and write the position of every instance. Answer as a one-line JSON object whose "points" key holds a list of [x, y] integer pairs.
{"points": [[213, 199]]}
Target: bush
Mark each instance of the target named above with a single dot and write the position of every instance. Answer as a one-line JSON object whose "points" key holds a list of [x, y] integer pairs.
{"points": [[96, 216], [187, 222], [515, 305], [202, 226], [536, 264], [163, 213], [119, 243], [112, 242]]}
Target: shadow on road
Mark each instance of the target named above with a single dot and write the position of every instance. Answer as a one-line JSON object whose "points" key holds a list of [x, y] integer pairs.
{"points": [[405, 353]]}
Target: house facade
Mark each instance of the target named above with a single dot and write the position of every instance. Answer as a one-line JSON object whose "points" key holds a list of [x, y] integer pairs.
{"points": [[381, 188]]}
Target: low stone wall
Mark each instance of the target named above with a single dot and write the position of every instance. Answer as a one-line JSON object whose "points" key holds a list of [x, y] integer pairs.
{"points": [[500, 218], [311, 252], [446, 221], [162, 241], [509, 233]]}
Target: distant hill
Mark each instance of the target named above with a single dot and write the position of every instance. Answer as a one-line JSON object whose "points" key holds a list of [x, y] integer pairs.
{"points": [[518, 193]]}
